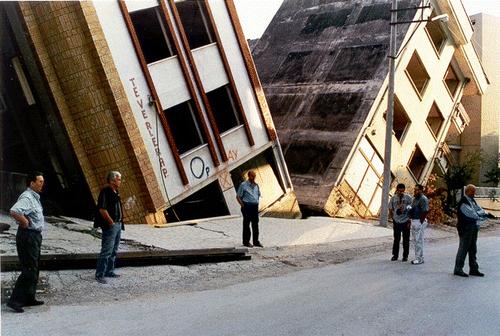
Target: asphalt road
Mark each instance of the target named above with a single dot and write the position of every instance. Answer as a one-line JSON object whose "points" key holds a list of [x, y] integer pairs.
{"points": [[372, 296]]}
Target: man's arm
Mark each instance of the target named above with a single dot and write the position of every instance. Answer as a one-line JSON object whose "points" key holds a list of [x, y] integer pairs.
{"points": [[239, 200], [21, 219], [104, 213]]}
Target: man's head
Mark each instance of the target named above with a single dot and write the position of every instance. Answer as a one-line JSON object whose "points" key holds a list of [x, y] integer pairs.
{"points": [[35, 181], [400, 189], [251, 176], [419, 190], [114, 179], [470, 190]]}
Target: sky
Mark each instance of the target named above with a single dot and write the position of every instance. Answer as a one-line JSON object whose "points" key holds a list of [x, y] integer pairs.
{"points": [[255, 15]]}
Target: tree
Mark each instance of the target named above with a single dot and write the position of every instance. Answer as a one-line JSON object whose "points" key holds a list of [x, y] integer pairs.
{"points": [[459, 175], [493, 176]]}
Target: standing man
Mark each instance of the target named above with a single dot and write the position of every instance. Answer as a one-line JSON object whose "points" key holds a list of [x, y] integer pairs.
{"points": [[398, 209], [248, 197], [469, 216], [418, 216], [28, 213], [109, 217]]}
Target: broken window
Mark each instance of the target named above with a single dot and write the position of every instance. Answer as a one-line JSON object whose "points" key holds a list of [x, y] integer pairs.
{"points": [[309, 158], [295, 68], [357, 63], [417, 163], [196, 22], [451, 80], [225, 111], [417, 74], [185, 126], [436, 34], [153, 34], [374, 12], [401, 122], [435, 119], [331, 111], [316, 23], [383, 12]]}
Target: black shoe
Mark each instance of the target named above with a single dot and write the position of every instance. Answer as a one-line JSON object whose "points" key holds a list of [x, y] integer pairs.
{"points": [[247, 245], [394, 258], [15, 307], [33, 303], [257, 244], [404, 259], [112, 275], [461, 273], [476, 273], [101, 280]]}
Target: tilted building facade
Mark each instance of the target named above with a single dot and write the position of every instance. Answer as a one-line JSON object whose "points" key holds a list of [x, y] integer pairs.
{"points": [[163, 91], [324, 68]]}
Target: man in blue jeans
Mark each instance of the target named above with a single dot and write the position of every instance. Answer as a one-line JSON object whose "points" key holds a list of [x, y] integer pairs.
{"points": [[248, 197], [109, 217]]}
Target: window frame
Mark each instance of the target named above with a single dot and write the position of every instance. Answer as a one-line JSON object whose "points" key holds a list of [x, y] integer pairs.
{"points": [[206, 23], [426, 84]]}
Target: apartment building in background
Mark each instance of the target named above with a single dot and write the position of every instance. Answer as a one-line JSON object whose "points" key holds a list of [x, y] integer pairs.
{"points": [[483, 133], [324, 68], [165, 92]]}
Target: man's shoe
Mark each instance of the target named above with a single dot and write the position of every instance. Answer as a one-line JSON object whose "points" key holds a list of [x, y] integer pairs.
{"points": [[417, 262], [112, 275], [461, 273], [15, 307], [33, 302], [476, 273], [394, 258], [247, 245], [101, 280], [404, 259], [257, 244]]}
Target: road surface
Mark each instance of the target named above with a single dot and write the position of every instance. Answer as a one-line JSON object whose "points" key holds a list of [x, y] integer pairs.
{"points": [[373, 296]]}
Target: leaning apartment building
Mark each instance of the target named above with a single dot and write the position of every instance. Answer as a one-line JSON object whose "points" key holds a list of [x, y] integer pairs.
{"points": [[165, 92], [324, 68]]}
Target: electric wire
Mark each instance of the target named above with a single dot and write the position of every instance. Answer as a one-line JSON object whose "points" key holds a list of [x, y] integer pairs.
{"points": [[159, 165]]}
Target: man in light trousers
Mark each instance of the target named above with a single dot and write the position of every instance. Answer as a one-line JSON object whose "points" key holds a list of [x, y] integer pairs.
{"points": [[418, 215]]}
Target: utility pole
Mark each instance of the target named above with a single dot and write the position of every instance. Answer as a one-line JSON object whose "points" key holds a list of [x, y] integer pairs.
{"points": [[384, 212]]}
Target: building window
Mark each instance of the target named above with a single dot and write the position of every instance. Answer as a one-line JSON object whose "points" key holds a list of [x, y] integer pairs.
{"points": [[435, 119], [184, 124], [436, 34], [153, 35], [417, 74], [309, 159], [226, 114], [196, 23], [451, 80], [401, 122], [417, 163]]}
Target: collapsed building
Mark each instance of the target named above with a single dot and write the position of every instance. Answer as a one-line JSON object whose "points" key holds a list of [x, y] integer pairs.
{"points": [[324, 68], [165, 92]]}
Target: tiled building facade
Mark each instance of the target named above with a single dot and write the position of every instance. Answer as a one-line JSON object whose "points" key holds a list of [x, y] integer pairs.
{"points": [[325, 72], [165, 92]]}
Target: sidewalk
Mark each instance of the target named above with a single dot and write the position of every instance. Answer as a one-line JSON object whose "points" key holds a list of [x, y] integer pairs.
{"points": [[65, 235], [72, 236]]}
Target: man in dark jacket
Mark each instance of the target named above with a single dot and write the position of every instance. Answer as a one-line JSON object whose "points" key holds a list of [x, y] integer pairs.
{"points": [[109, 217], [469, 216]]}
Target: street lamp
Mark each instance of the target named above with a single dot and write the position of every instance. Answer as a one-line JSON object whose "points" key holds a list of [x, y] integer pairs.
{"points": [[384, 212]]}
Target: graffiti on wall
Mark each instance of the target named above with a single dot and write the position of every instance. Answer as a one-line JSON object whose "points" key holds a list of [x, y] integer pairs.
{"points": [[199, 168]]}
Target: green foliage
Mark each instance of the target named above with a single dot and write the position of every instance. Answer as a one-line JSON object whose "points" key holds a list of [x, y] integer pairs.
{"points": [[493, 176], [459, 175]]}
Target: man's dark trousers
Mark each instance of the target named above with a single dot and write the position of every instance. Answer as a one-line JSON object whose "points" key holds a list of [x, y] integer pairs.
{"points": [[398, 230], [28, 243], [468, 239], [250, 213]]}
